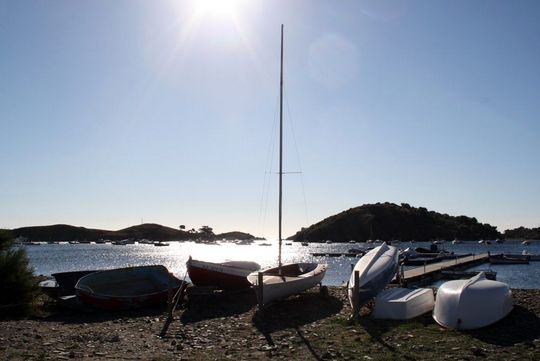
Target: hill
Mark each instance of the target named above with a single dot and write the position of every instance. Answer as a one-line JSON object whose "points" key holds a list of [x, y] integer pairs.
{"points": [[58, 232], [235, 236], [522, 233], [388, 221], [152, 231]]}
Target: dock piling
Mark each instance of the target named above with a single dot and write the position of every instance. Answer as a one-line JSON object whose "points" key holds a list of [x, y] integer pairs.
{"points": [[356, 295], [261, 289]]}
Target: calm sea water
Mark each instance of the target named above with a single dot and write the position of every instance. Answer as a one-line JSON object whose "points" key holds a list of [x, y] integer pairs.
{"points": [[49, 258]]}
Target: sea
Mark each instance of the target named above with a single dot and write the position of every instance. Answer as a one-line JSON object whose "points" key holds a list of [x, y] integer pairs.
{"points": [[46, 259]]}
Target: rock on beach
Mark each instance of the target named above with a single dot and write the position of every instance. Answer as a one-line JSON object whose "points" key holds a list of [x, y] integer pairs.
{"points": [[223, 326]]}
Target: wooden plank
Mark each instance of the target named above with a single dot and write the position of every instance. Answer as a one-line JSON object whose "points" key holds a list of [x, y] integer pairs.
{"points": [[435, 267]]}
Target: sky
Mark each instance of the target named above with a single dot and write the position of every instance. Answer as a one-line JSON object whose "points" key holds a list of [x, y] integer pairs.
{"points": [[114, 113]]}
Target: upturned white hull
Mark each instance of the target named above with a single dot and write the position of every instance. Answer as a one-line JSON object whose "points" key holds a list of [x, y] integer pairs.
{"points": [[375, 270], [472, 303], [403, 303]]}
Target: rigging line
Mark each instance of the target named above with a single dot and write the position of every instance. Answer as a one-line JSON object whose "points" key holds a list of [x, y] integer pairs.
{"points": [[263, 206], [297, 158]]}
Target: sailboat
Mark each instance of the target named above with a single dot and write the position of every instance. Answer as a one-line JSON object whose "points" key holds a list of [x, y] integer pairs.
{"points": [[285, 279]]}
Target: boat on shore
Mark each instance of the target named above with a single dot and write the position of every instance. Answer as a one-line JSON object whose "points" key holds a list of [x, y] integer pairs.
{"points": [[375, 270], [473, 303], [62, 283], [67, 280], [225, 275], [126, 288], [285, 279], [403, 303]]}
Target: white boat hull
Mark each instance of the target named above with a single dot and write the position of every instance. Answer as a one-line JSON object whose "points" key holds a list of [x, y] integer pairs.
{"points": [[295, 278], [472, 303], [375, 270], [403, 303]]}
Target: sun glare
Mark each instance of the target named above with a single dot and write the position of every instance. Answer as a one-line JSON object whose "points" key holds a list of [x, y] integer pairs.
{"points": [[218, 8]]}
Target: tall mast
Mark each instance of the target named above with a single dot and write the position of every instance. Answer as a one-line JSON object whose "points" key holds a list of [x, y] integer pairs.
{"points": [[280, 147]]}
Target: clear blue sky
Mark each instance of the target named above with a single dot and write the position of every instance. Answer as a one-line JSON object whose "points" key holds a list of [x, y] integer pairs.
{"points": [[113, 112]]}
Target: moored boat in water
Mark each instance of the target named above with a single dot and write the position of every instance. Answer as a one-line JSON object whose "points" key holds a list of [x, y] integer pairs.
{"points": [[225, 275], [506, 259], [125, 288], [473, 303]]}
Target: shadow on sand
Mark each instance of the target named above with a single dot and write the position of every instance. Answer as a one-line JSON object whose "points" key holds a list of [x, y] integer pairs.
{"points": [[520, 326], [79, 315], [218, 304], [294, 313]]}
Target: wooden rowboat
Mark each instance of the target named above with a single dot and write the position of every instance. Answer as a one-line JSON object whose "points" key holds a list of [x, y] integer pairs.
{"points": [[225, 275], [126, 288], [282, 282]]}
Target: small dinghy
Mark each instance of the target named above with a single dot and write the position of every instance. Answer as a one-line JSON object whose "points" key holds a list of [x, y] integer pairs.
{"points": [[226, 275], [63, 283], [287, 280], [472, 303], [375, 269], [125, 288], [403, 303]]}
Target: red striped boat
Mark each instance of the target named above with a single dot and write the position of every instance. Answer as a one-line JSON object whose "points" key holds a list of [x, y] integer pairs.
{"points": [[225, 275]]}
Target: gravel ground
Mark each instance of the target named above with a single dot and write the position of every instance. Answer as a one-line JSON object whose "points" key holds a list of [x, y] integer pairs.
{"points": [[222, 326]]}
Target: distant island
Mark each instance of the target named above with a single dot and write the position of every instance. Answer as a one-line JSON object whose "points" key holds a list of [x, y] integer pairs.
{"points": [[522, 233], [389, 221], [150, 231], [383, 221]]}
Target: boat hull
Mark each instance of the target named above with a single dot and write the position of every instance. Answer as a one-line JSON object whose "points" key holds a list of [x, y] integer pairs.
{"points": [[295, 278], [376, 269], [226, 275], [503, 259], [67, 280], [472, 303], [403, 303], [126, 288]]}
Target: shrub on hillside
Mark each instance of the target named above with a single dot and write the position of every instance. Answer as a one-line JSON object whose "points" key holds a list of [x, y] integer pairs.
{"points": [[18, 286]]}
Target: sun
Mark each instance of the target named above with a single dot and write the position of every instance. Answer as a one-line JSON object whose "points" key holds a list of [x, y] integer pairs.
{"points": [[218, 8]]}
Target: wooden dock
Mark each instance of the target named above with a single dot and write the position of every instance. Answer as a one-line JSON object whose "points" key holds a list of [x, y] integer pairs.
{"points": [[432, 272], [337, 254]]}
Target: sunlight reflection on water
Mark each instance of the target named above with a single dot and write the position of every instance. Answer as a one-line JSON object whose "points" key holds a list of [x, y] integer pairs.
{"points": [[51, 258]]}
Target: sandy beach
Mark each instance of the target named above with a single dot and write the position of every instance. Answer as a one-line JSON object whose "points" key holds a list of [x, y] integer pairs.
{"points": [[310, 326]]}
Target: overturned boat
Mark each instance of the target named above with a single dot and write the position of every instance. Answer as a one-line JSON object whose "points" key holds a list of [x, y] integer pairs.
{"points": [[225, 275], [375, 270], [472, 303], [403, 303], [126, 288]]}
